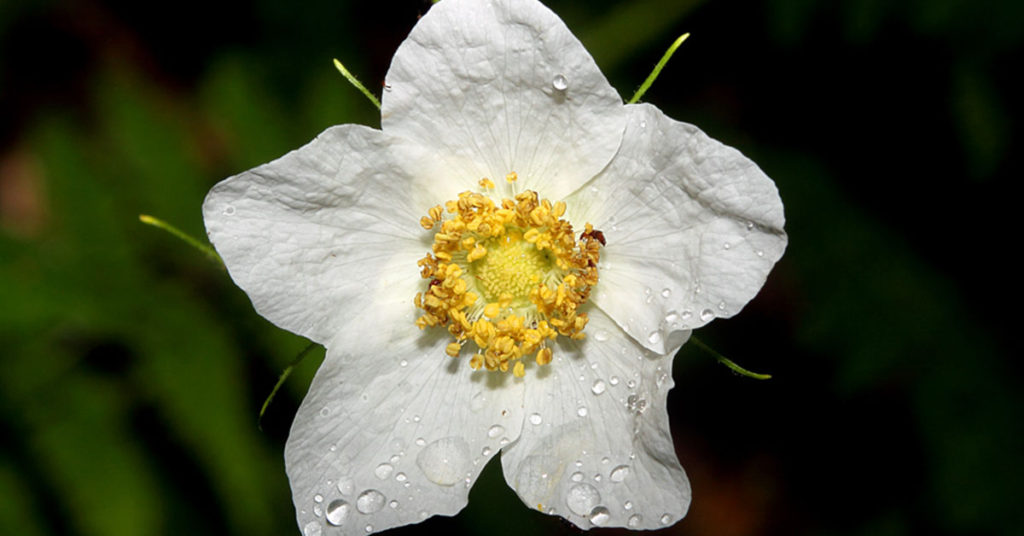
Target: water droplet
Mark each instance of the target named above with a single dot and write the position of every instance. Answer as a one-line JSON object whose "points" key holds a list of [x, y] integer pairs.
{"points": [[401, 477], [318, 510], [576, 477], [750, 225], [666, 519], [597, 477], [325, 412], [403, 363], [504, 441], [643, 124], [370, 501], [665, 292], [478, 401], [416, 418], [368, 528], [229, 210], [601, 335], [486, 451], [614, 380], [619, 473], [346, 486], [600, 515], [598, 387], [636, 404], [536, 419], [312, 529], [686, 315], [671, 318], [318, 498], [707, 314], [393, 505], [420, 441], [582, 498], [395, 458], [581, 411], [631, 384], [560, 82], [726, 246], [760, 253], [634, 521], [721, 305], [383, 471], [337, 511], [445, 461], [606, 460], [495, 431], [628, 505], [654, 337]]}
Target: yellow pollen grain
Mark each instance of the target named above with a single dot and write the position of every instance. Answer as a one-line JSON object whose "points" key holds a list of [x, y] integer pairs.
{"points": [[512, 177], [486, 183], [453, 349]]}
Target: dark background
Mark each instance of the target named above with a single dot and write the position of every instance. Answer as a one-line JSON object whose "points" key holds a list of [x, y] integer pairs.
{"points": [[132, 370]]}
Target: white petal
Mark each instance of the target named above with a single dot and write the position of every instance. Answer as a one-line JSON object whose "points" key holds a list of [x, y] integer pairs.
{"points": [[475, 81], [393, 431], [596, 447], [692, 228], [318, 235]]}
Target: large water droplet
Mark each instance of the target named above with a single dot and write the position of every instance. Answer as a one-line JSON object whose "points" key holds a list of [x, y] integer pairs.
{"points": [[346, 486], [654, 337], [495, 431], [634, 521], [337, 511], [707, 314], [619, 473], [370, 501], [582, 498], [560, 82], [598, 387], [312, 529], [445, 461], [536, 419], [600, 515], [383, 471]]}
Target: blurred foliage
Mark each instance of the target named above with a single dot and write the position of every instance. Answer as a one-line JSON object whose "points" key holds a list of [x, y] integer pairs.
{"points": [[132, 370]]}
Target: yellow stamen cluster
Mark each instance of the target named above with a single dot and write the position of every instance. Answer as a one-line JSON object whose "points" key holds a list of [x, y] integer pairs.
{"points": [[506, 277]]}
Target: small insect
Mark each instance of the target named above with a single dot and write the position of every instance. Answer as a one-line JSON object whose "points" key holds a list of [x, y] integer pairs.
{"points": [[596, 235]]}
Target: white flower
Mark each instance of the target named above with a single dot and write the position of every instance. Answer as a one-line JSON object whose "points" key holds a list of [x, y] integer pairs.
{"points": [[326, 241]]}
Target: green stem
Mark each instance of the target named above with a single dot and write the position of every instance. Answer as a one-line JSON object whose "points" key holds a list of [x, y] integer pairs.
{"points": [[160, 224], [352, 80], [727, 362], [280, 381], [657, 69]]}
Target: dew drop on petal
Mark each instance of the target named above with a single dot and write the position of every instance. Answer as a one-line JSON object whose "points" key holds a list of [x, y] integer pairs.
{"points": [[420, 441], [486, 451], [686, 315], [600, 515], [403, 363], [444, 461], [495, 431], [311, 529], [478, 402], [346, 486], [581, 411], [750, 226], [401, 477], [654, 337], [370, 501], [337, 511], [721, 305], [634, 521], [318, 498], [368, 528], [598, 387], [582, 499], [318, 510], [229, 210], [560, 82], [383, 471], [619, 473], [536, 419], [601, 335], [614, 380], [393, 504], [628, 505], [665, 292], [726, 246], [707, 314], [666, 519], [576, 477]]}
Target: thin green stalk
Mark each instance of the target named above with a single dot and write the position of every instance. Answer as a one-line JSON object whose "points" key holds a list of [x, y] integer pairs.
{"points": [[727, 362], [160, 224], [280, 381], [352, 80], [657, 69]]}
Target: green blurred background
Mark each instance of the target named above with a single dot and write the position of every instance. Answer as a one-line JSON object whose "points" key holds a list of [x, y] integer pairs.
{"points": [[132, 370]]}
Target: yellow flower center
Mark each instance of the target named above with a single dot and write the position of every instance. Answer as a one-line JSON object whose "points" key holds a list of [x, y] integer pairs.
{"points": [[507, 278]]}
